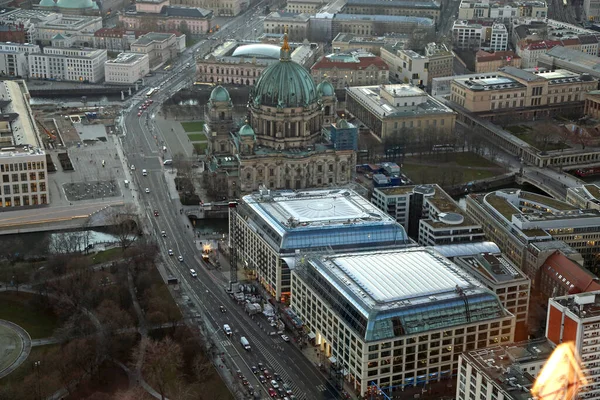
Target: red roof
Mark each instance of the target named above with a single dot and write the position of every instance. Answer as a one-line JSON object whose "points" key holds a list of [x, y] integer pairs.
{"points": [[110, 32], [484, 56], [547, 44], [566, 272], [364, 62]]}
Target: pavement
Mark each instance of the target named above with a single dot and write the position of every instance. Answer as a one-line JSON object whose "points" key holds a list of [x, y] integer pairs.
{"points": [[15, 343]]}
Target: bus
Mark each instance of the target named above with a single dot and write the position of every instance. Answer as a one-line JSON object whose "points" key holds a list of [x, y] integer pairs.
{"points": [[442, 147], [151, 92]]}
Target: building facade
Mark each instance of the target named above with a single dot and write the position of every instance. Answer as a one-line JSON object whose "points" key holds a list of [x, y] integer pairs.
{"points": [[423, 8], [347, 42], [68, 64], [14, 60], [350, 69], [304, 6], [295, 24], [585, 197], [159, 47], [375, 329], [161, 16], [228, 8], [389, 109], [127, 68], [478, 34], [376, 25], [492, 62], [575, 318], [271, 226]]}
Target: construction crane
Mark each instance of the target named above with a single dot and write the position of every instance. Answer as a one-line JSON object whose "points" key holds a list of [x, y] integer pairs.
{"points": [[51, 136]]}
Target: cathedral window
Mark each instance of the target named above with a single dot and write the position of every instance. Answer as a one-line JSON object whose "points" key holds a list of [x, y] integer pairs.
{"points": [[330, 167], [320, 168]]}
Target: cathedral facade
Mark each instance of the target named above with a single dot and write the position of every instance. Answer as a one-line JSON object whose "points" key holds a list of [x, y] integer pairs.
{"points": [[282, 143]]}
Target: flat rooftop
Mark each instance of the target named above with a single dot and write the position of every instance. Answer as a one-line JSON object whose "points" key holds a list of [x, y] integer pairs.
{"points": [[23, 128], [321, 217], [415, 288], [584, 305], [506, 366], [370, 97], [493, 268], [485, 82], [423, 21], [126, 58]]}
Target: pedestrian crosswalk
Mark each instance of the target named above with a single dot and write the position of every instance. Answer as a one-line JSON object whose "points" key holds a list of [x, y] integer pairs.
{"points": [[321, 388], [225, 343]]}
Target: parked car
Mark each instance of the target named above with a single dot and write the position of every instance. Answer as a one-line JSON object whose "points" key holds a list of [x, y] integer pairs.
{"points": [[274, 384], [272, 392], [262, 379]]}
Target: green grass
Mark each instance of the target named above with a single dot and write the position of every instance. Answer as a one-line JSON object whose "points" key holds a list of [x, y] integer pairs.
{"points": [[195, 126], [163, 290], [529, 135], [16, 308], [200, 147], [444, 175], [465, 159], [197, 137], [37, 353], [106, 255]]}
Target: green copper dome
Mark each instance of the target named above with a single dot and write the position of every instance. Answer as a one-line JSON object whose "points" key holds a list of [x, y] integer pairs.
{"points": [[246, 130], [219, 94], [47, 3], [285, 83], [325, 89]]}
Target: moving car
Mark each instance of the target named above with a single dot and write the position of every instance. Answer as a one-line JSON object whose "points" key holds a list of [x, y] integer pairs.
{"points": [[156, 213], [193, 273], [180, 258], [272, 392], [140, 114], [223, 309], [227, 330], [132, 167], [144, 172], [262, 379], [163, 233], [285, 338], [245, 343], [287, 388], [170, 252], [147, 190]]}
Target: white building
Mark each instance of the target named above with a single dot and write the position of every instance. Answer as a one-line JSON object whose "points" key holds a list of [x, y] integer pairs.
{"points": [[271, 226], [576, 319], [502, 372], [406, 66], [502, 277], [23, 170], [160, 47], [68, 64], [499, 38], [127, 68], [14, 60], [395, 318], [428, 214]]}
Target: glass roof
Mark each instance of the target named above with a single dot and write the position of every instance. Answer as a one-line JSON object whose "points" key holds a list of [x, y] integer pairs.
{"points": [[257, 50]]}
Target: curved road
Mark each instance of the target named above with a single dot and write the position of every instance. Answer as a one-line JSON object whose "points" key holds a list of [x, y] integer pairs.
{"points": [[142, 144]]}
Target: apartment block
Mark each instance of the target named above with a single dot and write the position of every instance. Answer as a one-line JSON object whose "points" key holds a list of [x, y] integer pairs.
{"points": [[68, 64], [14, 61]]}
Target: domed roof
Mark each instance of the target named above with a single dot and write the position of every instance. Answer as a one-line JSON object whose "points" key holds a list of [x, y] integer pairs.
{"points": [[47, 3], [257, 50], [219, 94], [285, 83], [75, 4], [246, 130], [325, 89]]}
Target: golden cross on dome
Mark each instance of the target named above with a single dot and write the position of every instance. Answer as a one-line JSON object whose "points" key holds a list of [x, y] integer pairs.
{"points": [[286, 44]]}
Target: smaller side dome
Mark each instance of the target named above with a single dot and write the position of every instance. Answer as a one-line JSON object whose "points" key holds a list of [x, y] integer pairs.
{"points": [[343, 124], [325, 89], [247, 130], [219, 94], [47, 3]]}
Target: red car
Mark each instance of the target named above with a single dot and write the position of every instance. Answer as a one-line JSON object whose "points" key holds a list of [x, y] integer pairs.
{"points": [[156, 213], [272, 392], [140, 114]]}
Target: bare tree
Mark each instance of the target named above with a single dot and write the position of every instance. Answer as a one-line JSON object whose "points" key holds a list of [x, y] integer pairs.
{"points": [[162, 362], [125, 225]]}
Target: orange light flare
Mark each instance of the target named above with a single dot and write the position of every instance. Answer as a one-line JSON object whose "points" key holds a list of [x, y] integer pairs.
{"points": [[562, 376]]}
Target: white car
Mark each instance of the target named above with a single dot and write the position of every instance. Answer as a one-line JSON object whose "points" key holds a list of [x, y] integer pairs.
{"points": [[163, 234], [193, 273], [147, 190], [144, 172], [285, 338], [170, 252], [132, 167], [180, 258]]}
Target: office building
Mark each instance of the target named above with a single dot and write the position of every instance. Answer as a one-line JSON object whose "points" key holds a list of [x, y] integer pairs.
{"points": [[22, 158], [304, 6], [521, 93], [428, 214], [14, 61], [575, 318], [395, 318], [387, 109], [127, 68], [559, 276], [160, 47], [376, 25], [161, 16], [560, 57], [515, 218], [531, 50], [297, 24], [347, 42], [80, 28], [504, 372], [350, 69], [228, 8], [502, 10], [421, 8], [68, 64], [271, 226], [502, 277], [479, 34], [492, 62]]}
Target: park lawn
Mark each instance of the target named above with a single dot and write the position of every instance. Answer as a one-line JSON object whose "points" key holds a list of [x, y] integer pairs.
{"points": [[16, 308], [445, 174], [463, 159], [194, 126], [528, 135], [197, 137], [38, 353], [200, 147], [107, 255], [165, 294]]}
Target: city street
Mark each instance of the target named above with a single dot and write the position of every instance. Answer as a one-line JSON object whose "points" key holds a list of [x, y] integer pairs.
{"points": [[142, 146]]}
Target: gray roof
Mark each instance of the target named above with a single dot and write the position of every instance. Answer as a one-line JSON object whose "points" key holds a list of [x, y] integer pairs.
{"points": [[396, 3], [187, 12], [384, 18], [521, 74], [573, 56], [467, 249]]}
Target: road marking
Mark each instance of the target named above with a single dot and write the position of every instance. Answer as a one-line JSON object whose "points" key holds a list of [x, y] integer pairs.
{"points": [[321, 388]]}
